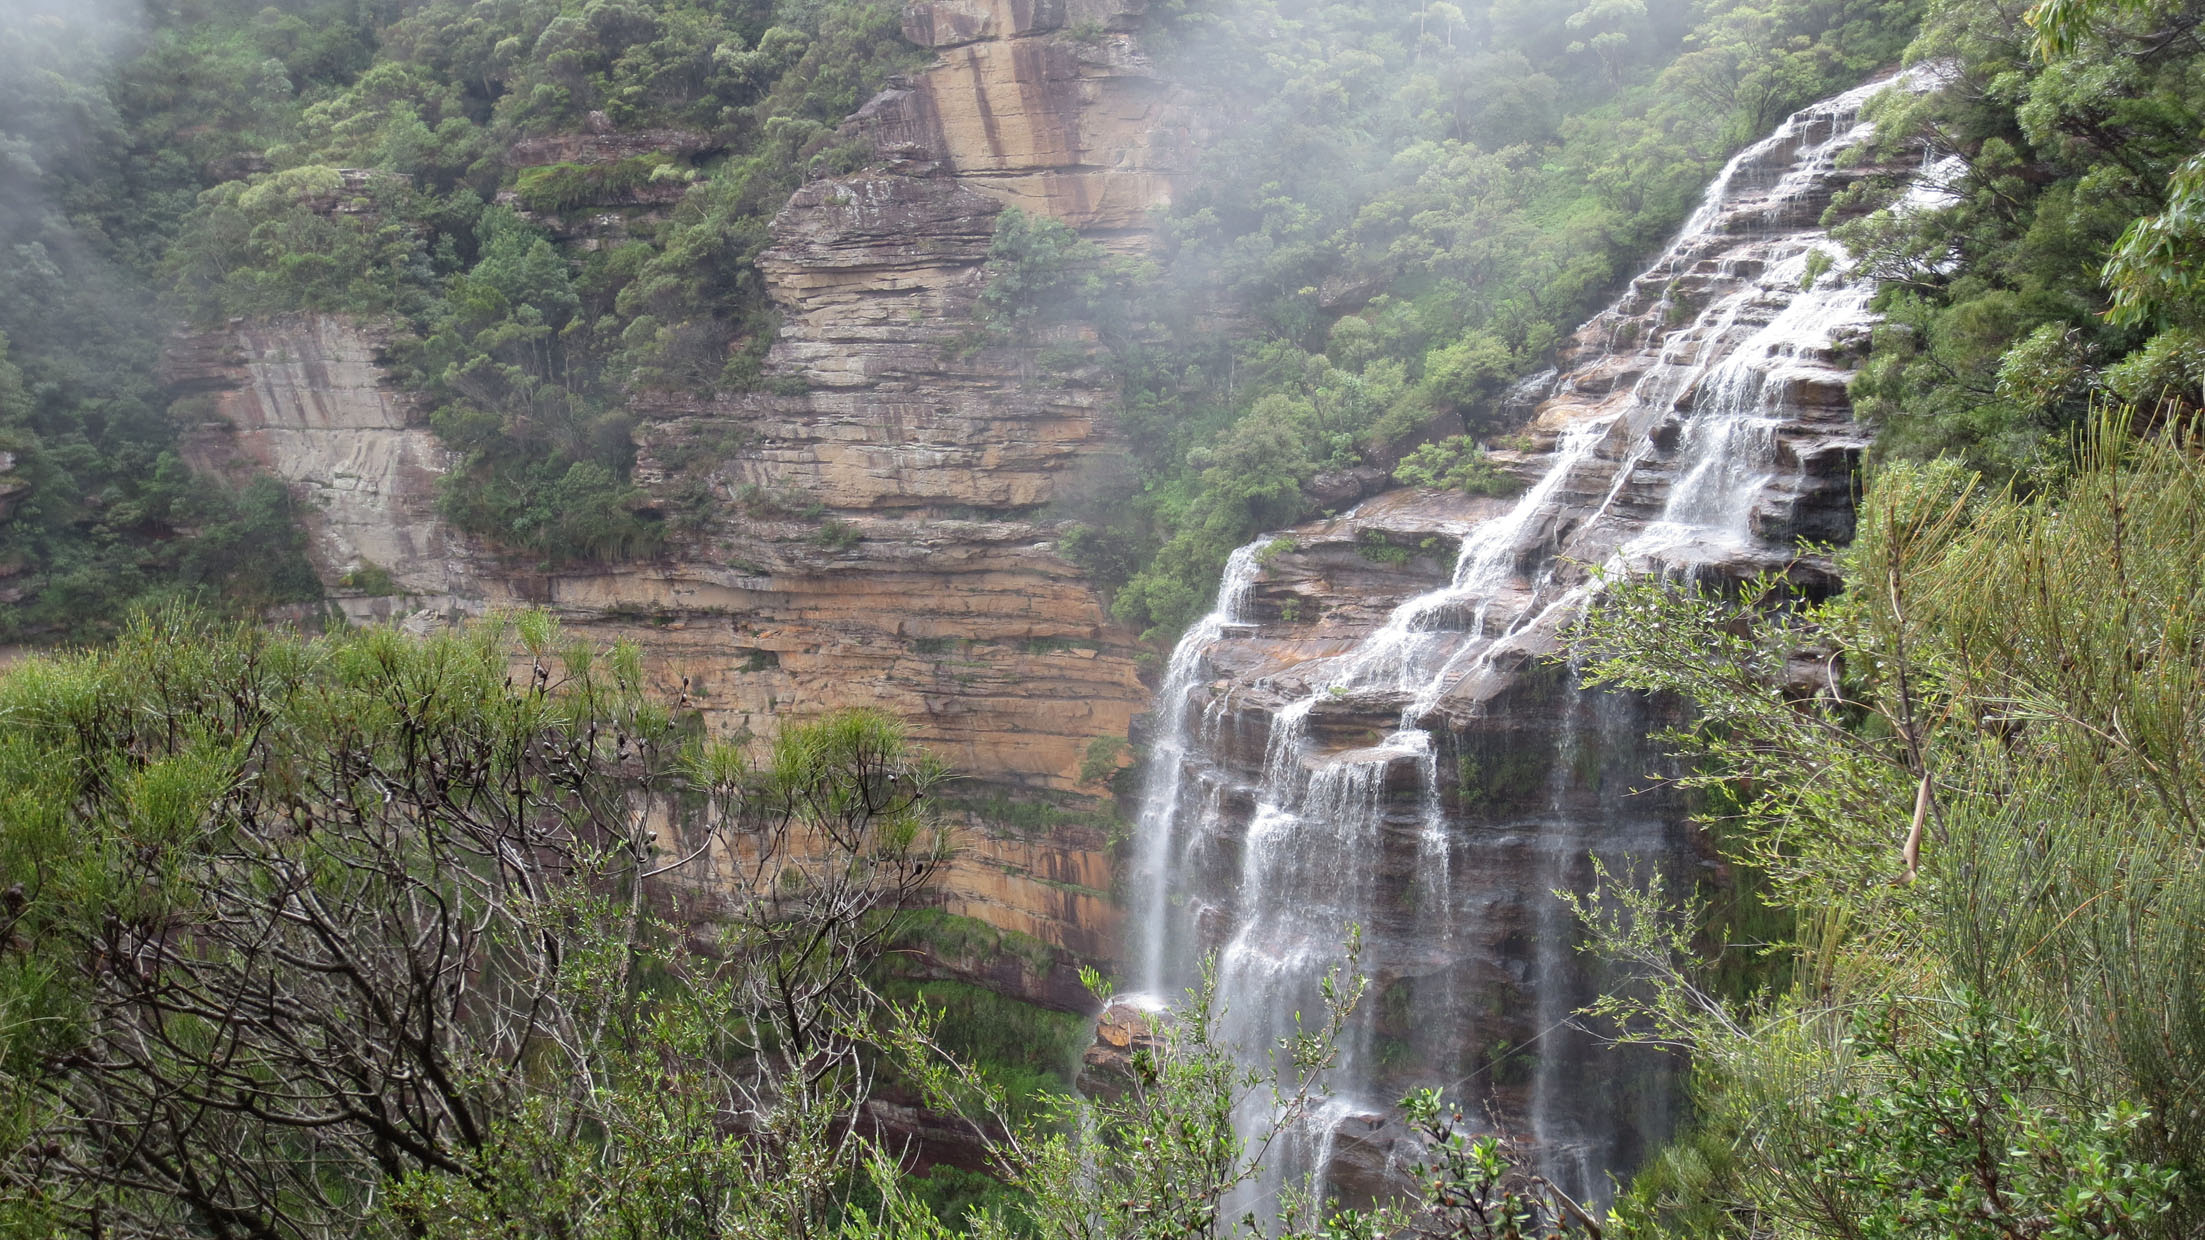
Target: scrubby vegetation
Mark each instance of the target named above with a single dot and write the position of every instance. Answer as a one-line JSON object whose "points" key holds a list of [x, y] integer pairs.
{"points": [[364, 935], [368, 935], [1980, 840], [1456, 462]]}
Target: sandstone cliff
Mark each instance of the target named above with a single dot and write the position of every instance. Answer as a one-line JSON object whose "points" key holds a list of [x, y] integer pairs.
{"points": [[306, 399], [880, 537]]}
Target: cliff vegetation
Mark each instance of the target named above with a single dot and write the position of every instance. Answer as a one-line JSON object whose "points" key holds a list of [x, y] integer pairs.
{"points": [[374, 934]]}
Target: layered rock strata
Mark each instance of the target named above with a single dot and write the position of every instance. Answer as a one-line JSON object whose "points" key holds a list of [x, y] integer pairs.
{"points": [[873, 530], [307, 399], [1370, 731]]}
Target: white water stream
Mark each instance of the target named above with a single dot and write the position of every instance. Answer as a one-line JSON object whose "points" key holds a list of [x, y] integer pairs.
{"points": [[1265, 864]]}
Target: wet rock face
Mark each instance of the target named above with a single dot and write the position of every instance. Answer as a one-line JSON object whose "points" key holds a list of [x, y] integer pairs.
{"points": [[867, 532], [1048, 105], [995, 651], [1112, 1066], [1377, 728], [306, 399]]}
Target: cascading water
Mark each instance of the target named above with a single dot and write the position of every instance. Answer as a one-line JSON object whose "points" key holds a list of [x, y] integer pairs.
{"points": [[1419, 775], [1165, 806]]}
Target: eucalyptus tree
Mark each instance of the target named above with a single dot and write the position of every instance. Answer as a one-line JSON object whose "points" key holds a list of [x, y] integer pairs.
{"points": [[369, 933]]}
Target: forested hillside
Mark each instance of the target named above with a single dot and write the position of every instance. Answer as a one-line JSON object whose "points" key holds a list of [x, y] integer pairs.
{"points": [[480, 935], [231, 159], [2063, 273], [1408, 213], [1404, 214], [95, 182]]}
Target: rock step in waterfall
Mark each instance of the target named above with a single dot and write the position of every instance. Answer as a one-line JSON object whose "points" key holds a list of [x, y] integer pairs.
{"points": [[1344, 743]]}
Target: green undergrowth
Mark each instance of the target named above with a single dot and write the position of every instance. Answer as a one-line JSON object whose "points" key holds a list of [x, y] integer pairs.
{"points": [[1030, 815], [964, 941], [1029, 1051], [563, 187], [952, 1194]]}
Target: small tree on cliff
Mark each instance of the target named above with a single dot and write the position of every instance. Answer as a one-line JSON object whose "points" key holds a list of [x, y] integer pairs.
{"points": [[359, 935]]}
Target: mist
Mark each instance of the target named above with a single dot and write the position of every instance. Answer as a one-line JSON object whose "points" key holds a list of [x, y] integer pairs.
{"points": [[61, 143]]}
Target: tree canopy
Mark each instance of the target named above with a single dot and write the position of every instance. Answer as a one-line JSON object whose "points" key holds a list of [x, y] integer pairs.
{"points": [[373, 934]]}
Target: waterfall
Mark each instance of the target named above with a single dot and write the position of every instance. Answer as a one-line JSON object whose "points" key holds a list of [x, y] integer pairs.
{"points": [[1425, 777], [1164, 802]]}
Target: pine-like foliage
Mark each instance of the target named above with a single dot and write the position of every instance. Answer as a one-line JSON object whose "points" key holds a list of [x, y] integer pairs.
{"points": [[1973, 783]]}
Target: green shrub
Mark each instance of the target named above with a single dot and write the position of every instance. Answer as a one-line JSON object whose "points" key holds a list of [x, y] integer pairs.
{"points": [[371, 579], [555, 188], [1100, 760], [1456, 462]]}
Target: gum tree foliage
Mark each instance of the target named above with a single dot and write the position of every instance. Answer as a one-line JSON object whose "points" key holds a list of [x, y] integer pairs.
{"points": [[1456, 462], [1972, 785], [1040, 272], [2152, 271], [369, 935], [2060, 272]]}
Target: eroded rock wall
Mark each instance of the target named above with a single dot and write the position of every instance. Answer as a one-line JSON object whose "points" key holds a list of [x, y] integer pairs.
{"points": [[1377, 727], [873, 530], [307, 399], [1048, 105]]}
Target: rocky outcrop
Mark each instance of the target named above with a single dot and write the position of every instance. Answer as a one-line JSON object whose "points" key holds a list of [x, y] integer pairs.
{"points": [[600, 142], [1048, 105], [307, 399], [1113, 1065], [878, 535], [870, 530], [1372, 729]]}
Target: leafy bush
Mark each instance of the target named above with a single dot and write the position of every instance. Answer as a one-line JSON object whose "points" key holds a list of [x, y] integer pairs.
{"points": [[1958, 1133], [1457, 463], [552, 188], [1100, 760], [371, 579], [555, 509], [1039, 271], [1960, 786]]}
